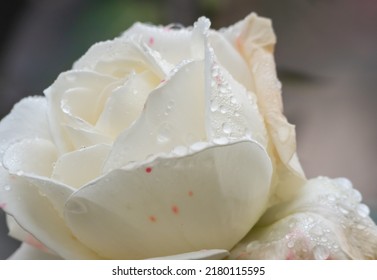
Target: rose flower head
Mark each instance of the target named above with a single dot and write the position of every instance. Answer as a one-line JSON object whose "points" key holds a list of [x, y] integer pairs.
{"points": [[172, 143]]}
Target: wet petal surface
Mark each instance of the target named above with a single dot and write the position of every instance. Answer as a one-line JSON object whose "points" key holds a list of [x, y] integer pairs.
{"points": [[203, 199]]}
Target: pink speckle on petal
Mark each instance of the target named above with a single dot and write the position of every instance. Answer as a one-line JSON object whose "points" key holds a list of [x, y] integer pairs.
{"points": [[3, 205], [148, 169], [190, 193], [290, 256], [242, 255], [153, 219], [35, 243], [218, 80], [175, 209], [151, 41], [239, 43]]}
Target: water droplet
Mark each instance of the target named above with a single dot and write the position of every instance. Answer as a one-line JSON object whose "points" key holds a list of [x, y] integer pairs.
{"points": [[70, 78], [223, 90], [290, 244], [198, 146], [76, 207], [215, 71], [344, 183], [360, 227], [363, 210], [227, 128], [7, 188], [331, 197], [223, 110], [214, 106], [221, 141], [180, 150], [171, 104], [248, 134], [343, 210], [321, 252], [323, 239], [357, 195], [252, 246], [164, 133], [233, 100], [19, 173]]}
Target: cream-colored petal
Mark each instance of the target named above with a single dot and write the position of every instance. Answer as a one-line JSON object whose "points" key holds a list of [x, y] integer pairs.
{"points": [[229, 58], [28, 252], [174, 45], [34, 156], [325, 220], [28, 119], [214, 254], [257, 43], [36, 215], [121, 57], [232, 110], [251, 33], [81, 138], [126, 103], [174, 204], [254, 39], [32, 160], [173, 116], [75, 100], [81, 166], [17, 232]]}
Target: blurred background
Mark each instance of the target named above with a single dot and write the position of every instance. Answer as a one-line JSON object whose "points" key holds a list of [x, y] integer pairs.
{"points": [[326, 57]]}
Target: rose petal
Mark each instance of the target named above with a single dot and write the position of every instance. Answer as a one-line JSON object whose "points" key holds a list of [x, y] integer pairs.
{"points": [[251, 33], [79, 167], [324, 221], [126, 103], [173, 116], [231, 60], [27, 252], [81, 138], [35, 156], [172, 205], [27, 120], [17, 232], [257, 41], [36, 215], [254, 39], [20, 161], [75, 101], [198, 255], [233, 112], [121, 57], [174, 45]]}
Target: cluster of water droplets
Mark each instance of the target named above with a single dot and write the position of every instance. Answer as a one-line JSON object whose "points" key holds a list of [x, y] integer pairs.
{"points": [[227, 105], [341, 218], [353, 215]]}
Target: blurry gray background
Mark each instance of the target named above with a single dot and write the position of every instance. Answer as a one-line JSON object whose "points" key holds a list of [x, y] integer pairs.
{"points": [[326, 57]]}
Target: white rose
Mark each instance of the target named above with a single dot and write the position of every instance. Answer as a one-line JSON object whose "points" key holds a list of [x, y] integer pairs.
{"points": [[163, 142]]}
